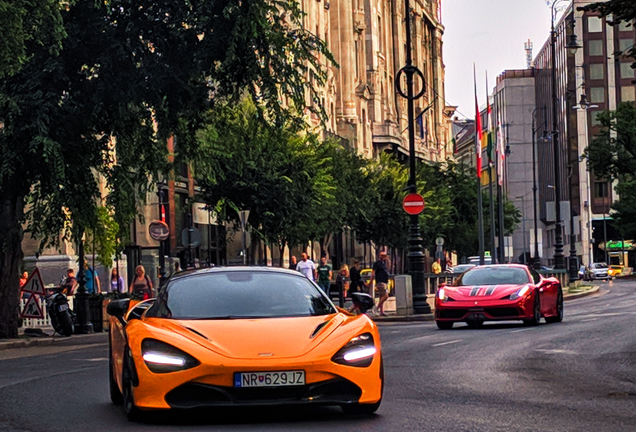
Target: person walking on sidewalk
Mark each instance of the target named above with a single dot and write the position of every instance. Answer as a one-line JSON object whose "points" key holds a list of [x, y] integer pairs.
{"points": [[356, 284], [293, 262], [92, 280], [437, 266], [324, 275], [307, 267], [380, 274], [141, 285], [116, 282]]}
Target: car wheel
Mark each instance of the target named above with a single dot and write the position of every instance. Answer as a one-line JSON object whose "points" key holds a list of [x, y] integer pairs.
{"points": [[536, 311], [130, 409], [115, 394], [559, 307], [444, 325], [475, 323]]}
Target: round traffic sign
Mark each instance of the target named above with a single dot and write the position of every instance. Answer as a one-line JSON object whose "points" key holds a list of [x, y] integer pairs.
{"points": [[413, 204], [439, 241], [159, 230]]}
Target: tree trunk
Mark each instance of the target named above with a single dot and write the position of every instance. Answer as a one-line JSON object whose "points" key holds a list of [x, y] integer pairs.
{"points": [[11, 213], [281, 258]]}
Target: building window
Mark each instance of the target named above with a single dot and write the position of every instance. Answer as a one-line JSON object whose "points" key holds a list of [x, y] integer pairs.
{"points": [[600, 190], [595, 120], [594, 24], [597, 94], [628, 94], [627, 71], [597, 72], [626, 26], [595, 47], [625, 44]]}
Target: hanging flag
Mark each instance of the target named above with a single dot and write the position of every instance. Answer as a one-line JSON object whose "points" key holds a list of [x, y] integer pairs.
{"points": [[500, 152], [420, 124], [478, 131], [489, 131]]}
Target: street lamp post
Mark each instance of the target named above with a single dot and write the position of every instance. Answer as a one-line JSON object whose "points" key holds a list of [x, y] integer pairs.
{"points": [[572, 45], [162, 257], [83, 324], [536, 260], [523, 226], [416, 251]]}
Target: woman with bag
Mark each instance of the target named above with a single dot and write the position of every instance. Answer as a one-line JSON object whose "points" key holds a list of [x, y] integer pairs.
{"points": [[141, 285]]}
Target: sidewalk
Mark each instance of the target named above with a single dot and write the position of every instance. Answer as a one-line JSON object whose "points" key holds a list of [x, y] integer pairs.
{"points": [[390, 308], [27, 341]]}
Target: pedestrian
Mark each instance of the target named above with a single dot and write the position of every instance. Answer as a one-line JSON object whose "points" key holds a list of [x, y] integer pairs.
{"points": [[342, 279], [380, 274], [324, 275], [116, 281], [356, 284], [70, 283], [437, 266], [23, 278], [141, 284], [92, 280], [306, 267], [293, 262]]}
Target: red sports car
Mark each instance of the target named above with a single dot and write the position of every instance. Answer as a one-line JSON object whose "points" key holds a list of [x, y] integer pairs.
{"points": [[499, 293]]}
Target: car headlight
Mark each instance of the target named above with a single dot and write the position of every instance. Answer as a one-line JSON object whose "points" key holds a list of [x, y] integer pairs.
{"points": [[161, 357], [522, 292], [441, 294], [358, 352]]}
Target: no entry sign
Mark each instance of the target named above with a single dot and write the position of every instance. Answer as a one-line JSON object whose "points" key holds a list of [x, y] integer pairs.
{"points": [[413, 204]]}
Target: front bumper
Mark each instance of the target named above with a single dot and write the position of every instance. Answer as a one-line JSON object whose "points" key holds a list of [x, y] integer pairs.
{"points": [[208, 385], [484, 310], [601, 276]]}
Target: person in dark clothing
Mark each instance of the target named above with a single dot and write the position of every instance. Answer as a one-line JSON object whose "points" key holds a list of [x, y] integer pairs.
{"points": [[356, 284], [292, 263], [381, 276]]}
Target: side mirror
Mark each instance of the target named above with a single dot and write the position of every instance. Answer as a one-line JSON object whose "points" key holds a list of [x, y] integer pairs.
{"points": [[362, 301], [138, 310], [118, 308]]}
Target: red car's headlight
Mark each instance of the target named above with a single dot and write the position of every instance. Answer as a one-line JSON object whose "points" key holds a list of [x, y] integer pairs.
{"points": [[359, 352], [161, 357], [522, 292]]}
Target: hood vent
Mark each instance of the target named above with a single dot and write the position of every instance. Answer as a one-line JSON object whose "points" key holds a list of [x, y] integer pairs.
{"points": [[317, 329], [196, 332]]}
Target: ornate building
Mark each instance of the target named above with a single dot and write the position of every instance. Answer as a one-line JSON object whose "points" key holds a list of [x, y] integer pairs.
{"points": [[367, 38]]}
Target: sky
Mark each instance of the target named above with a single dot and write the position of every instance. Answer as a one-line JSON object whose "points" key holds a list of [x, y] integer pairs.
{"points": [[491, 34]]}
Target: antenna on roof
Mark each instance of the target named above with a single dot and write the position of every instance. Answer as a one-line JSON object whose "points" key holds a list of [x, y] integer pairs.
{"points": [[528, 48]]}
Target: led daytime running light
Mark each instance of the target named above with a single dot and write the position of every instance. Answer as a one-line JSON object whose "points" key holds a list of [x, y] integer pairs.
{"points": [[162, 359], [441, 294], [360, 354]]}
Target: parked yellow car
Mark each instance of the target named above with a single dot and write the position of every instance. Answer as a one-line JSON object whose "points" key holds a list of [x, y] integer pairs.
{"points": [[365, 274], [615, 270]]}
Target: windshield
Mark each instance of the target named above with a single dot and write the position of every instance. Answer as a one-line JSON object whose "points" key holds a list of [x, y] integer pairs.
{"points": [[598, 266], [494, 276], [241, 294]]}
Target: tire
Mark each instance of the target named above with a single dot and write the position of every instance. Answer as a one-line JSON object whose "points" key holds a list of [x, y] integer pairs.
{"points": [[536, 311], [115, 394], [65, 323], [559, 306], [128, 399], [359, 409], [444, 325], [474, 324]]}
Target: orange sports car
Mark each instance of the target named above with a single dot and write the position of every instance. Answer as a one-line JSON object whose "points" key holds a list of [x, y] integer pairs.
{"points": [[242, 336]]}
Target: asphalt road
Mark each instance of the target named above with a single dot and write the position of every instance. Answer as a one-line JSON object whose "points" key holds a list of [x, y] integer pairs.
{"points": [[579, 375]]}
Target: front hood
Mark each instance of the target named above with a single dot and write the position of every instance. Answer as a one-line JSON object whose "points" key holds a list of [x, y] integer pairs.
{"points": [[483, 292], [600, 271], [258, 338]]}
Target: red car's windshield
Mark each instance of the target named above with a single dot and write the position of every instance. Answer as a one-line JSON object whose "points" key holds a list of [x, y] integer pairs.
{"points": [[494, 276]]}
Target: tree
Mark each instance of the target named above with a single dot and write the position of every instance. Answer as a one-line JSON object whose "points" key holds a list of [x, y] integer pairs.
{"points": [[129, 75]]}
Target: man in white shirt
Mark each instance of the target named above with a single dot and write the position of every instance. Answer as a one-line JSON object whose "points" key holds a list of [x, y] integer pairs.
{"points": [[306, 267]]}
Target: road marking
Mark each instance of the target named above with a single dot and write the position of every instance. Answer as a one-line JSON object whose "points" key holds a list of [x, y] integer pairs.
{"points": [[520, 330], [446, 343], [557, 351], [97, 359], [590, 319], [39, 378]]}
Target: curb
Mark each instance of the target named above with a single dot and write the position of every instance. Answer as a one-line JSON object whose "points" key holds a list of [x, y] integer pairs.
{"points": [[55, 340], [594, 290]]}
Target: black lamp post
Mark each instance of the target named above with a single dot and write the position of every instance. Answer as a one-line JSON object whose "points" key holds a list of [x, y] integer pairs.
{"points": [[83, 324], [416, 251], [572, 45], [162, 256]]}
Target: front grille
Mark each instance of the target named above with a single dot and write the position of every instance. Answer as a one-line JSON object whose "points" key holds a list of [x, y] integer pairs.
{"points": [[502, 312], [451, 313], [194, 395]]}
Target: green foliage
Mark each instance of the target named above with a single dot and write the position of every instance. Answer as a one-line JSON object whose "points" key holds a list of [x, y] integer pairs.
{"points": [[102, 238], [624, 214]]}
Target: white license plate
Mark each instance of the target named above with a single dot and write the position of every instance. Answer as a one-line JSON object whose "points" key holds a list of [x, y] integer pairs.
{"points": [[269, 379], [62, 308]]}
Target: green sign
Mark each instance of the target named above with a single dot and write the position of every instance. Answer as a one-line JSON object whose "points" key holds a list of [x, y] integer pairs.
{"points": [[486, 254], [619, 245]]}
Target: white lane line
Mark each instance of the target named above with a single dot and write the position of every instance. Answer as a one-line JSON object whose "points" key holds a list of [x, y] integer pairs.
{"points": [[97, 359], [557, 351], [520, 330], [446, 343], [589, 319]]}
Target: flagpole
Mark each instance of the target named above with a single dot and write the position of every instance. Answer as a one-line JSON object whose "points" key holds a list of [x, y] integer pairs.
{"points": [[502, 255], [478, 167], [493, 255]]}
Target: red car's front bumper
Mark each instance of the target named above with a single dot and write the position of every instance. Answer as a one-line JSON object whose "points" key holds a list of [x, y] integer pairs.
{"points": [[484, 310]]}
